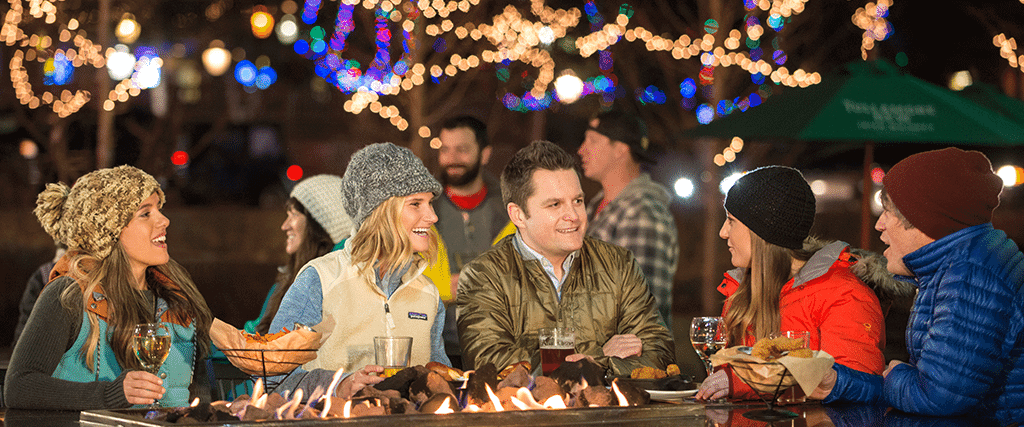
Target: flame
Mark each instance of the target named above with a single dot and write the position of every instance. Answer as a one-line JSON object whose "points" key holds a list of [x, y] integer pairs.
{"points": [[619, 395], [583, 383], [446, 407], [288, 409], [472, 408], [257, 389], [494, 399], [334, 382], [327, 406], [555, 402], [195, 402], [346, 412], [260, 402], [524, 400]]}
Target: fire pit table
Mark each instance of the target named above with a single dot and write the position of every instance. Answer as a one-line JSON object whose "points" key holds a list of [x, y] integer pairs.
{"points": [[685, 414]]}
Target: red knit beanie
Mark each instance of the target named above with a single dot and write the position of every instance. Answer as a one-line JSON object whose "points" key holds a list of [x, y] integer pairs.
{"points": [[944, 191]]}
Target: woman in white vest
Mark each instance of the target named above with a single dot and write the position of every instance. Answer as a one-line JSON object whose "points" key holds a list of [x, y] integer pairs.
{"points": [[76, 351], [374, 286]]}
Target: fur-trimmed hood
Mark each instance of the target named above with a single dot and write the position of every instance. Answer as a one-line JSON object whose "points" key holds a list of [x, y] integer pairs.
{"points": [[870, 268]]}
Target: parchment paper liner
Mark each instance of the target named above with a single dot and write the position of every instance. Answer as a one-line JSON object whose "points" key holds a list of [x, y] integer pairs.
{"points": [[764, 376], [296, 348]]}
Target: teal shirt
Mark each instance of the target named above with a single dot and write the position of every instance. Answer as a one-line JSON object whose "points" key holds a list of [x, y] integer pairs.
{"points": [[178, 367]]}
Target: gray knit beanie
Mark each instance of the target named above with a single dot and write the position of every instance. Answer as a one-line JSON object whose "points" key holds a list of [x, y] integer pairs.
{"points": [[776, 203], [321, 196], [379, 172], [90, 215]]}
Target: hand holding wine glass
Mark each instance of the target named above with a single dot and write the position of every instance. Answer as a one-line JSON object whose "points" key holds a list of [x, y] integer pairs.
{"points": [[707, 334], [152, 344]]}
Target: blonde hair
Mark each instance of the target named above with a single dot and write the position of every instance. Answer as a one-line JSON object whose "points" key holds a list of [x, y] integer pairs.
{"points": [[128, 306], [382, 238], [755, 304]]}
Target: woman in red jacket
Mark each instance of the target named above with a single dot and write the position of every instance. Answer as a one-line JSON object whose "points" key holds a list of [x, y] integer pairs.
{"points": [[785, 280]]}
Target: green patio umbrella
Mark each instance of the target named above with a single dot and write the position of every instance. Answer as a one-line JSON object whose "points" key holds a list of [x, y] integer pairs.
{"points": [[871, 103], [989, 97]]}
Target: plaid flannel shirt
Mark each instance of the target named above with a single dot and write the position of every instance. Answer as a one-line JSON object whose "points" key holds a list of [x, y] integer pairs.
{"points": [[639, 220]]}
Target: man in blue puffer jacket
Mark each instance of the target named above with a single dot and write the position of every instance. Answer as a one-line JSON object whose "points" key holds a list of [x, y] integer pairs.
{"points": [[966, 332]]}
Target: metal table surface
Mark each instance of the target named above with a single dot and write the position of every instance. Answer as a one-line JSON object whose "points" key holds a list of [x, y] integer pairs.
{"points": [[686, 414]]}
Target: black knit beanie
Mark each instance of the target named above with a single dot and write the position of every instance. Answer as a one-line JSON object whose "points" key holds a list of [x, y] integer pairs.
{"points": [[776, 203]]}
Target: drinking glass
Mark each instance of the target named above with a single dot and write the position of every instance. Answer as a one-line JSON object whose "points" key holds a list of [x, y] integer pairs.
{"points": [[555, 345], [393, 353], [152, 344], [707, 334], [793, 394]]}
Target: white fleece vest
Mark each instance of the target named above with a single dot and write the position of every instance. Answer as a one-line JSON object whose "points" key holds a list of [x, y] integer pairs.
{"points": [[358, 309]]}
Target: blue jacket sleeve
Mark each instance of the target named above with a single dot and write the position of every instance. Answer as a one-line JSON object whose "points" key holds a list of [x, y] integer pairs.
{"points": [[853, 386], [437, 353], [303, 303], [961, 355]]}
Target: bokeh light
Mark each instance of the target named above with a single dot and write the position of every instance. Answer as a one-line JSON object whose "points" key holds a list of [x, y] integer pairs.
{"points": [[684, 188], [294, 172], [1011, 175], [179, 158], [262, 22], [120, 63], [728, 181], [245, 73]]}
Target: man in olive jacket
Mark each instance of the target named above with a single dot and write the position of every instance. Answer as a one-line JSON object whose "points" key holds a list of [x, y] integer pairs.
{"points": [[549, 274]]}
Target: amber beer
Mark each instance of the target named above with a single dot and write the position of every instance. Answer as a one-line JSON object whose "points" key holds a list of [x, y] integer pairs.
{"points": [[552, 357], [555, 344]]}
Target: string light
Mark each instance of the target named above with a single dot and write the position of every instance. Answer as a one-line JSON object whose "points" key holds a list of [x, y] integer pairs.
{"points": [[871, 19], [1008, 50]]}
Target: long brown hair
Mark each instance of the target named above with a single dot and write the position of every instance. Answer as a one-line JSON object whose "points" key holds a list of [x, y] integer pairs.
{"points": [[316, 242], [756, 303], [128, 306], [382, 238]]}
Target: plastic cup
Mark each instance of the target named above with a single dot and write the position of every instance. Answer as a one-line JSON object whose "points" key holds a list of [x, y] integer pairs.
{"points": [[393, 353]]}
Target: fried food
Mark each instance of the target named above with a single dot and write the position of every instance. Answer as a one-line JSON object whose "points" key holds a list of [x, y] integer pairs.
{"points": [[447, 372], [647, 373], [508, 369], [801, 352], [770, 349], [672, 370], [263, 338]]}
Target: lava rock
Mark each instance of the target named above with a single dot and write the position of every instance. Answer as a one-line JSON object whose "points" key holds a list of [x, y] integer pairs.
{"points": [[436, 401], [572, 372], [544, 388], [519, 377]]}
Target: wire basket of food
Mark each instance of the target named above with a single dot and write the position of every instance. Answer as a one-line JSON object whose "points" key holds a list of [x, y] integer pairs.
{"points": [[771, 366], [265, 355]]}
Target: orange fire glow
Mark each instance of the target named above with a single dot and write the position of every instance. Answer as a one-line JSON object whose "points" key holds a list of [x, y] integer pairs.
{"points": [[619, 395], [195, 402], [555, 402], [346, 412], [446, 407], [494, 399]]}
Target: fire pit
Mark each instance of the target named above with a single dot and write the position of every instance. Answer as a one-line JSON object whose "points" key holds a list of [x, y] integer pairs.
{"points": [[687, 414], [424, 397]]}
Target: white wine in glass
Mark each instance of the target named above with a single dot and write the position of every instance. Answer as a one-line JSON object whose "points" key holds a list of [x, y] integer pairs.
{"points": [[707, 335], [152, 344]]}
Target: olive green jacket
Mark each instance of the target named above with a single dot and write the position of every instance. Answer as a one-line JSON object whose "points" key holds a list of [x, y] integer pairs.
{"points": [[503, 300]]}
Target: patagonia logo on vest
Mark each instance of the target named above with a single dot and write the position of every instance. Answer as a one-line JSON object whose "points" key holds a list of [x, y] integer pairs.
{"points": [[417, 316]]}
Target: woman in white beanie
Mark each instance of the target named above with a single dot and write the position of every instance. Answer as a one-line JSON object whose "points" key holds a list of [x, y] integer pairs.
{"points": [[76, 351], [315, 224], [374, 286]]}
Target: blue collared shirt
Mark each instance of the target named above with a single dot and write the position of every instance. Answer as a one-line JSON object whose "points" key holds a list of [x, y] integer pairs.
{"points": [[528, 254]]}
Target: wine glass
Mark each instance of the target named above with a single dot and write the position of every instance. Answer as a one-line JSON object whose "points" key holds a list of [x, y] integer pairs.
{"points": [[152, 343], [707, 334]]}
